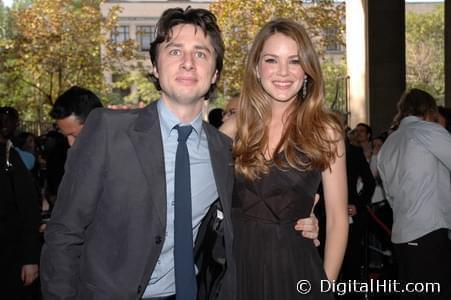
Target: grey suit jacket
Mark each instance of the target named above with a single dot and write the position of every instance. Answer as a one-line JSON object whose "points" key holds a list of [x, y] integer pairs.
{"points": [[108, 225]]}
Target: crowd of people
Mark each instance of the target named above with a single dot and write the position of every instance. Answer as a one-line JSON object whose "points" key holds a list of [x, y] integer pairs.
{"points": [[156, 203]]}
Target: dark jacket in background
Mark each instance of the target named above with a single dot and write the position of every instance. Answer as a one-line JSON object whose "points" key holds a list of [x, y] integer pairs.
{"points": [[357, 167], [19, 223]]}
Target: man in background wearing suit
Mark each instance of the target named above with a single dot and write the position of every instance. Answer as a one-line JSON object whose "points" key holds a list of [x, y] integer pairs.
{"points": [[113, 234], [19, 216], [71, 109]]}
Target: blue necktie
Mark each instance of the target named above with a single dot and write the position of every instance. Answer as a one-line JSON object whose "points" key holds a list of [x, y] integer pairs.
{"points": [[185, 278]]}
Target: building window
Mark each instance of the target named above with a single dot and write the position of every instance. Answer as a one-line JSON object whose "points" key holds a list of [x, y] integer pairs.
{"points": [[120, 34], [144, 36], [332, 44]]}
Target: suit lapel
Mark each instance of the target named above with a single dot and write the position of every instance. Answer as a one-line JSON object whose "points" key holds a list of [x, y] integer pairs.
{"points": [[146, 139], [222, 166]]}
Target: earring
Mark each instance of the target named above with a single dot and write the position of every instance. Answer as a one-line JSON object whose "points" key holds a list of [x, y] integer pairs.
{"points": [[304, 88], [257, 74]]}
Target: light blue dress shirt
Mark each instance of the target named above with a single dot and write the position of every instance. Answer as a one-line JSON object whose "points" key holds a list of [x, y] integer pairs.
{"points": [[203, 193], [414, 164], [27, 158]]}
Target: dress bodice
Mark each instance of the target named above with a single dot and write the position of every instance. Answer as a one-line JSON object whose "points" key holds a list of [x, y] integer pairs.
{"points": [[282, 195]]}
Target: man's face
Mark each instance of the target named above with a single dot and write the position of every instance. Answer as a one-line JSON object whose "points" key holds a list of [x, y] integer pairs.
{"points": [[186, 65], [70, 127], [8, 125], [361, 134]]}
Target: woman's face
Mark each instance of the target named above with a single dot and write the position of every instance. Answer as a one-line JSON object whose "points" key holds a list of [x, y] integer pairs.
{"points": [[30, 143], [279, 68]]}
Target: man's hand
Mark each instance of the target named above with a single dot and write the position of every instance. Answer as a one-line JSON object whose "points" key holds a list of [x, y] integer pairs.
{"points": [[309, 226], [29, 274]]}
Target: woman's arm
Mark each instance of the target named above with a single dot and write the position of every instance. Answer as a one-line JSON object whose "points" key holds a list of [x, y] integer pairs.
{"points": [[335, 197]]}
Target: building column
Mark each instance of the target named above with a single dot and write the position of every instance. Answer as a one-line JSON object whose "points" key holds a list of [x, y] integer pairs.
{"points": [[386, 60], [356, 56], [375, 39]]}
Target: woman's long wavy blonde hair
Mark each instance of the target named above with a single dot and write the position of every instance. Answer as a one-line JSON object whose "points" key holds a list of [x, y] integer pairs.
{"points": [[308, 126]]}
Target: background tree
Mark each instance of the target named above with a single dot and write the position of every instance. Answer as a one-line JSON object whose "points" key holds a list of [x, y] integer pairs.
{"points": [[57, 44], [3, 17], [425, 51], [335, 78], [241, 20], [8, 74], [137, 81]]}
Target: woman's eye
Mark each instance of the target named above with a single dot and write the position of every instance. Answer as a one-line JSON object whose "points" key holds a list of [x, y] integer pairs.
{"points": [[270, 61]]}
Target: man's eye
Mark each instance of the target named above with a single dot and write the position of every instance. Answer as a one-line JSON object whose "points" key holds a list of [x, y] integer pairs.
{"points": [[174, 52], [200, 55]]}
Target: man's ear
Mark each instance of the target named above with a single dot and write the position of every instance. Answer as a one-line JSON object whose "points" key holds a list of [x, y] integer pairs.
{"points": [[155, 71], [215, 77]]}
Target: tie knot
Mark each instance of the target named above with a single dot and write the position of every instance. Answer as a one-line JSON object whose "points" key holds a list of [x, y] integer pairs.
{"points": [[184, 132]]}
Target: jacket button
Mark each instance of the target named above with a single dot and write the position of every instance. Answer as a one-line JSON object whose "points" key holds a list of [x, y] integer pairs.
{"points": [[158, 239], [139, 289]]}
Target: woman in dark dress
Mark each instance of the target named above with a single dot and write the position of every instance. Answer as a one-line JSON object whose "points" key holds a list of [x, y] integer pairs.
{"points": [[285, 144]]}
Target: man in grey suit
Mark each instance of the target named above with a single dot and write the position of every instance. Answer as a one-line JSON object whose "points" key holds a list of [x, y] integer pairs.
{"points": [[112, 230]]}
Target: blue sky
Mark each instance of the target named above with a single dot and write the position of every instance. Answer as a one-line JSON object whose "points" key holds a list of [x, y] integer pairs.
{"points": [[9, 2]]}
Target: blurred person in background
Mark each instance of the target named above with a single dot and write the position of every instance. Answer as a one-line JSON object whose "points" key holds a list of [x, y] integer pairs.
{"points": [[19, 216], [444, 117], [363, 137], [215, 117], [414, 164], [231, 108], [26, 147], [71, 109]]}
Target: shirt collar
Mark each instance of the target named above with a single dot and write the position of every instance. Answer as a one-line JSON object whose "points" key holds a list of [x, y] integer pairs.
{"points": [[169, 120], [409, 119]]}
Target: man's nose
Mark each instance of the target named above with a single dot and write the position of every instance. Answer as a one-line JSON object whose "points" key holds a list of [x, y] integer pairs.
{"points": [[188, 62]]}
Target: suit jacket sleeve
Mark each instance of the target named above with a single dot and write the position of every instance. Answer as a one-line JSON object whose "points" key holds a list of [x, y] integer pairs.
{"points": [[74, 210]]}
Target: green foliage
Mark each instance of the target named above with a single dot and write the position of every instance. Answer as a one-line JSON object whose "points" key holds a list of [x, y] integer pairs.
{"points": [[335, 77], [143, 89], [425, 51], [55, 44], [3, 19]]}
